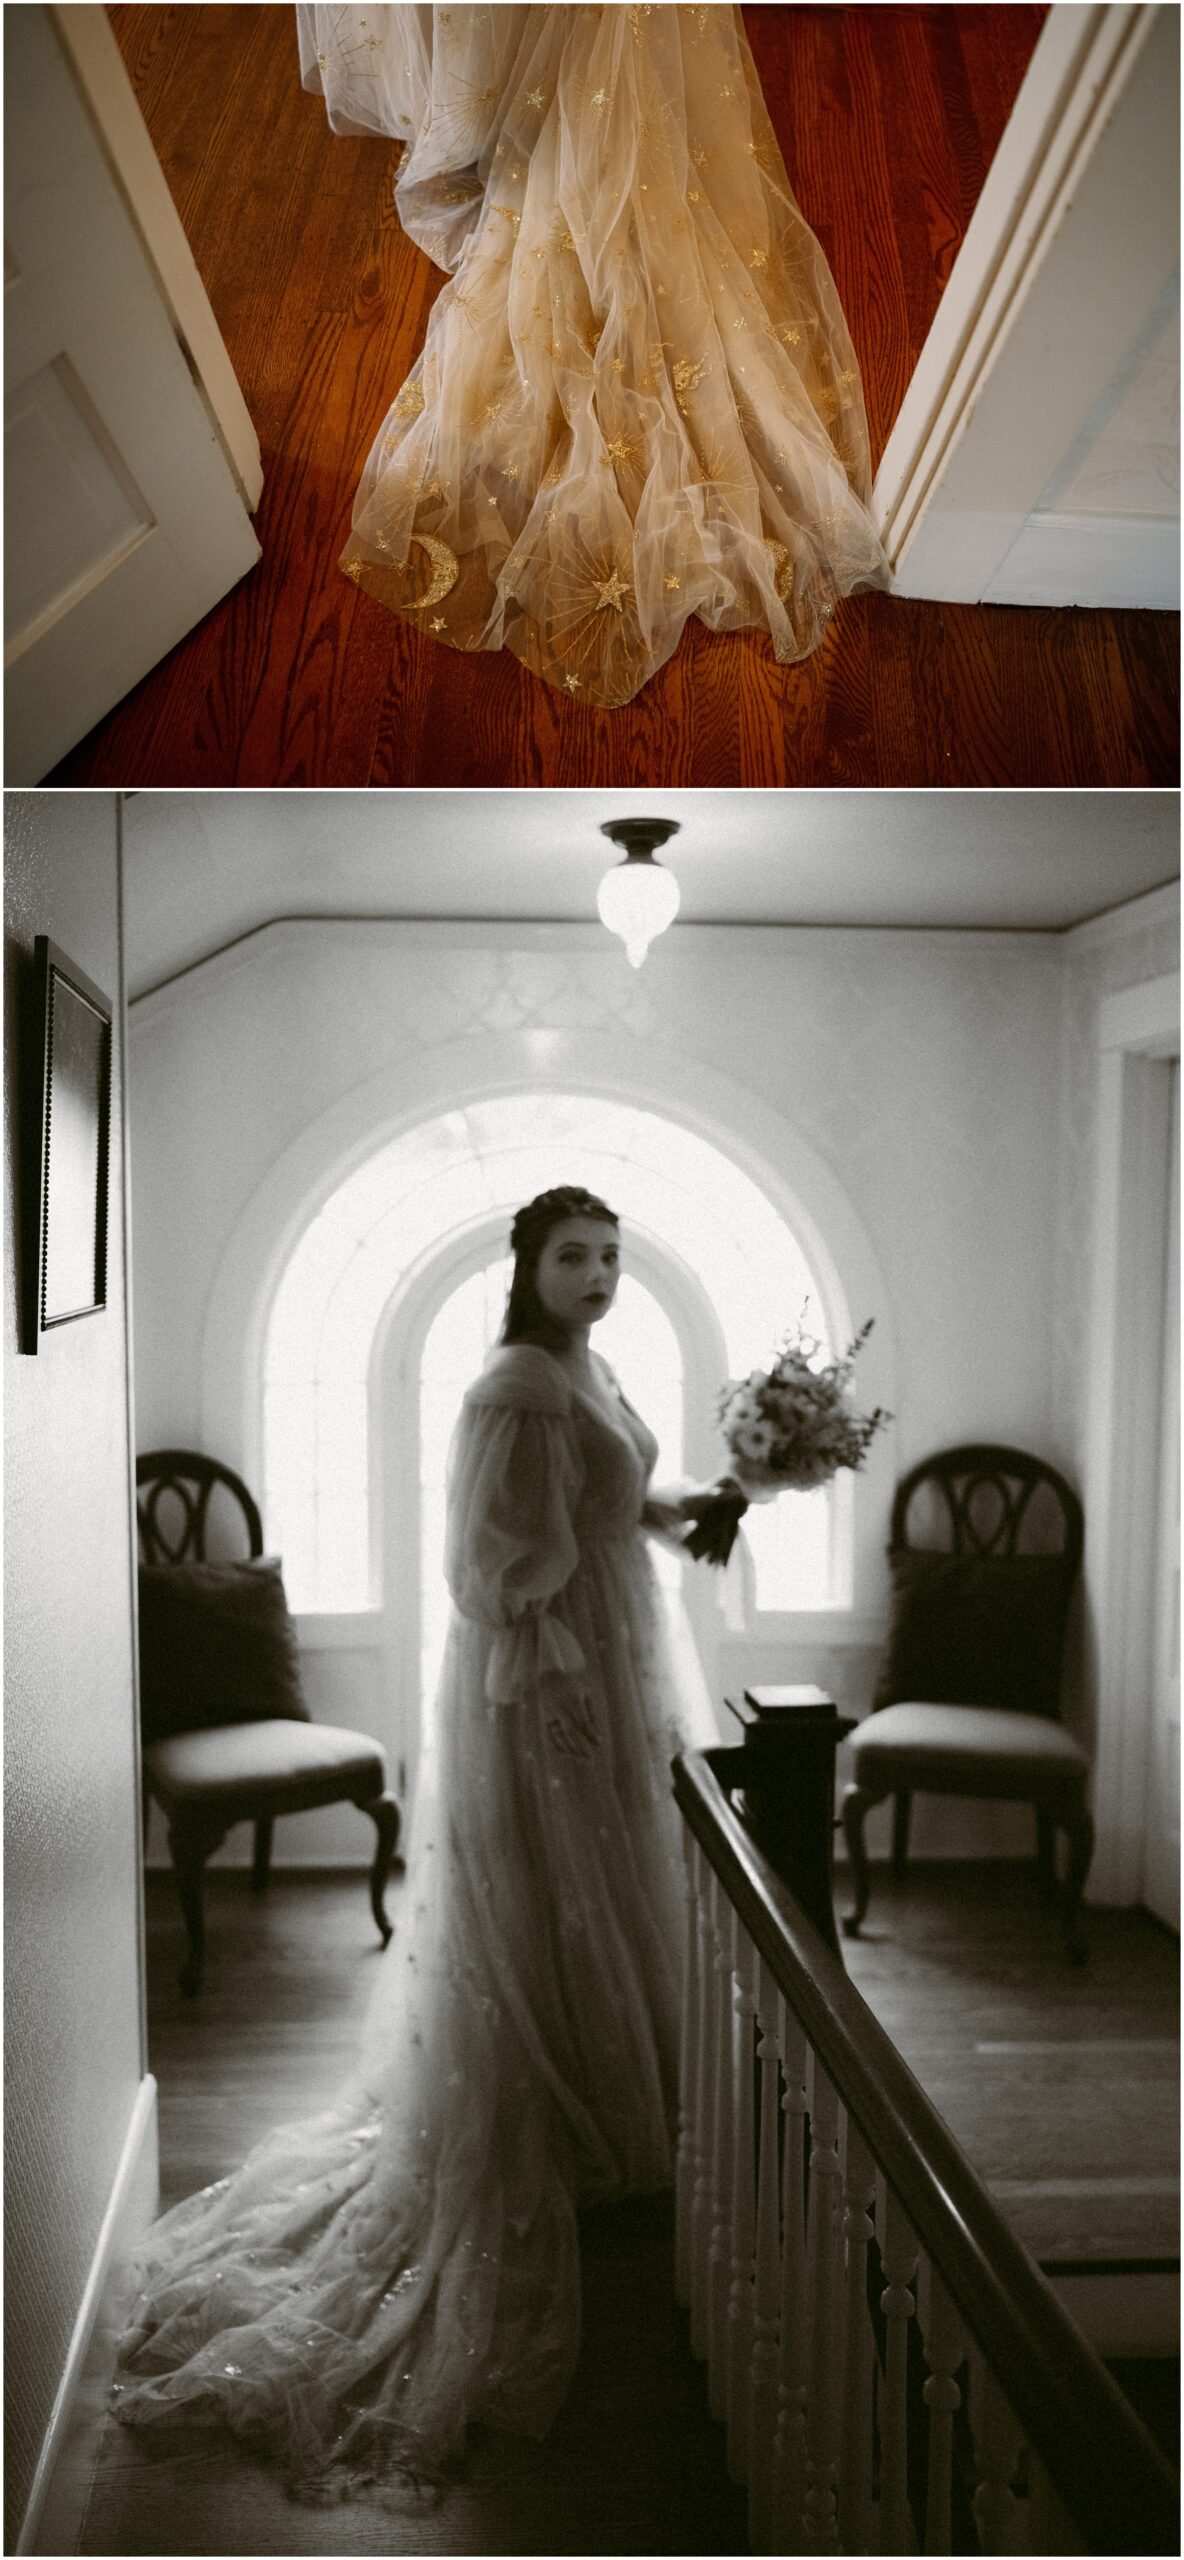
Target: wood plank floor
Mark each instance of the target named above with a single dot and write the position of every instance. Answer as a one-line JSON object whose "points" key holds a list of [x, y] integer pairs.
{"points": [[634, 2463], [889, 118], [1061, 2084]]}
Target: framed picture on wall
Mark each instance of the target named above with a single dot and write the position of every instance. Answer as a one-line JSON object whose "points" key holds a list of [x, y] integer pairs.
{"points": [[67, 1227]]}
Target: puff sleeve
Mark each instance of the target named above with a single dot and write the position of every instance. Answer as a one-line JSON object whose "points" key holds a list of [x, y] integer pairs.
{"points": [[514, 1477]]}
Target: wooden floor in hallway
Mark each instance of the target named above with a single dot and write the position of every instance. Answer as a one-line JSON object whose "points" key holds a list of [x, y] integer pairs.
{"points": [[889, 118], [633, 2464], [1060, 2083]]}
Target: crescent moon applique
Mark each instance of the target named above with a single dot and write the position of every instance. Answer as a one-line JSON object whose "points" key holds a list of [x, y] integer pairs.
{"points": [[782, 568], [445, 570]]}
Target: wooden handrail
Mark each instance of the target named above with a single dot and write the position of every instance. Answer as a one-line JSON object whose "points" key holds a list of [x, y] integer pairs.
{"points": [[1105, 2467]]}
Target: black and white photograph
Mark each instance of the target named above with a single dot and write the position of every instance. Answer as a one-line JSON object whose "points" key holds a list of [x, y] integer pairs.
{"points": [[592, 1196]]}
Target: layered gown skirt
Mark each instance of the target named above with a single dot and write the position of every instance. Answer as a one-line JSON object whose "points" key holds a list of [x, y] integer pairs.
{"points": [[637, 401]]}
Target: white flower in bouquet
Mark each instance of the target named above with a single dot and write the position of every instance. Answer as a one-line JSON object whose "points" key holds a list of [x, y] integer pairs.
{"points": [[792, 1427]]}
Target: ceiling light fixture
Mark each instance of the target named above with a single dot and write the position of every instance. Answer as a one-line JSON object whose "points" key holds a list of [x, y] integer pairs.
{"points": [[637, 898]]}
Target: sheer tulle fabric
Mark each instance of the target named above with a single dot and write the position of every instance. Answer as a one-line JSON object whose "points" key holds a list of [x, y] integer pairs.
{"points": [[371, 2281], [638, 400]]}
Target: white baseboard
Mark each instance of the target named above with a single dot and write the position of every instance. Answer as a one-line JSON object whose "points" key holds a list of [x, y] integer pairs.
{"points": [[65, 2468], [1121, 561]]}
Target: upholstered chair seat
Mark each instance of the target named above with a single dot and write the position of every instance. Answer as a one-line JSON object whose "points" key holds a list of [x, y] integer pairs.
{"points": [[983, 1749], [226, 1732], [984, 1550], [279, 1766]]}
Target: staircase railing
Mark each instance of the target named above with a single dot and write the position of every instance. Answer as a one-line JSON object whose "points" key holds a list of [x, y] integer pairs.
{"points": [[893, 2370]]}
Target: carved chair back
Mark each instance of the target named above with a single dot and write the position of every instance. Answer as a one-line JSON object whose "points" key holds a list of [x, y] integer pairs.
{"points": [[984, 1499], [174, 1489]]}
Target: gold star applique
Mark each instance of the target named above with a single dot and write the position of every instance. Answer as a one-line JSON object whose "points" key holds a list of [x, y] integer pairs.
{"points": [[611, 591], [437, 623]]}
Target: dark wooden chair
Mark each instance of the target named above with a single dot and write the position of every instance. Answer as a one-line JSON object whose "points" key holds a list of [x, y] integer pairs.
{"points": [[210, 1777], [985, 1547]]}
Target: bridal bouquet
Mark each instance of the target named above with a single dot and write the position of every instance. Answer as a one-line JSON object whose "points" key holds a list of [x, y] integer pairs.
{"points": [[788, 1428]]}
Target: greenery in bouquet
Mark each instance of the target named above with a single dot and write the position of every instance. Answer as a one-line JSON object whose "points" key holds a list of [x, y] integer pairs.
{"points": [[787, 1428]]}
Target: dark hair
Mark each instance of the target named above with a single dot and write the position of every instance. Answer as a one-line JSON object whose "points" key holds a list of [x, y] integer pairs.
{"points": [[526, 1318]]}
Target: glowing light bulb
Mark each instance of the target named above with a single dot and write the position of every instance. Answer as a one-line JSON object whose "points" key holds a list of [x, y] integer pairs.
{"points": [[637, 899]]}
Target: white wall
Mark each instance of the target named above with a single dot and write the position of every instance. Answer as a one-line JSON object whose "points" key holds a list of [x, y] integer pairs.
{"points": [[918, 1068], [75, 2090]]}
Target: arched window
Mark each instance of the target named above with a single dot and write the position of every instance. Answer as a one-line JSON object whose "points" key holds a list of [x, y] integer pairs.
{"points": [[437, 1186]]}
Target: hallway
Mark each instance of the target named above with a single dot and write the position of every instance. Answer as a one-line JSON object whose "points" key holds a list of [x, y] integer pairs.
{"points": [[634, 2464], [889, 120], [970, 1983]]}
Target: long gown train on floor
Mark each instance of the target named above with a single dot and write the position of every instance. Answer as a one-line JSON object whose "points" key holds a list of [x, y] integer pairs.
{"points": [[637, 400], [369, 2282]]}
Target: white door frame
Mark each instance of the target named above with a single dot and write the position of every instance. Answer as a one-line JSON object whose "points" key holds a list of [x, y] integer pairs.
{"points": [[1054, 165], [90, 48], [1138, 1036]]}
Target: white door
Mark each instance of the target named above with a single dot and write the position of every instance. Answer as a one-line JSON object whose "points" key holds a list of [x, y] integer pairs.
{"points": [[1161, 1841], [1035, 459], [130, 463]]}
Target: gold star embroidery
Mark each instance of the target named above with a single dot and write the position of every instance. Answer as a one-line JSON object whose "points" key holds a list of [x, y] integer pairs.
{"points": [[759, 258], [672, 585], [510, 215], [599, 99], [693, 195], [410, 401], [512, 472], [535, 98], [686, 377], [573, 683], [610, 592], [791, 337], [352, 568]]}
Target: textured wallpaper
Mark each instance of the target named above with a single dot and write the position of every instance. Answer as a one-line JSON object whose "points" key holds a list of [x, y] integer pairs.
{"points": [[73, 2015]]}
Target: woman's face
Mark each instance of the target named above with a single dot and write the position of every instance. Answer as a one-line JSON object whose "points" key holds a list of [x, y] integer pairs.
{"points": [[577, 1271]]}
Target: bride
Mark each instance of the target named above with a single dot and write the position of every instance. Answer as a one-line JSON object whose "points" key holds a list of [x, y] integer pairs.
{"points": [[637, 400], [370, 2282]]}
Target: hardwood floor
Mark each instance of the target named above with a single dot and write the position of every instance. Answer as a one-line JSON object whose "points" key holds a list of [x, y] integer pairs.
{"points": [[634, 2463], [1061, 2084], [889, 118]]}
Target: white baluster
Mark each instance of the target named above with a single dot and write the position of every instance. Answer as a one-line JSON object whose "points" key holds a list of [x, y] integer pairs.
{"points": [[997, 2440], [793, 2334], [703, 2198], [762, 2399], [945, 2350], [898, 2253], [824, 2295], [687, 2156], [855, 2451], [740, 2295], [719, 2268]]}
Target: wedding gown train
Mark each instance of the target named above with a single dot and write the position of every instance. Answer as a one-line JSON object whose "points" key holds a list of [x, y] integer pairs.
{"points": [[371, 2281], [637, 401]]}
